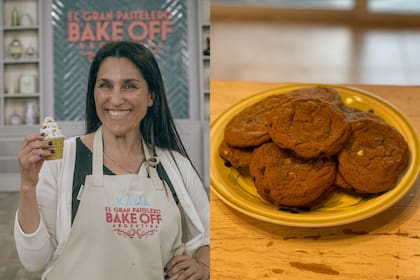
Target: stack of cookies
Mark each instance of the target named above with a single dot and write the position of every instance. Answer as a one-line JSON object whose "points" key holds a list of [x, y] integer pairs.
{"points": [[301, 145]]}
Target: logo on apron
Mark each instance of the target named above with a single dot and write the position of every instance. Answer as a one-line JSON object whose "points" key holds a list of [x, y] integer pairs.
{"points": [[133, 217]]}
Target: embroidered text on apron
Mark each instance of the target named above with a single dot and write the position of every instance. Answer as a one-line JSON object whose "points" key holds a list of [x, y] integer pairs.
{"points": [[127, 226]]}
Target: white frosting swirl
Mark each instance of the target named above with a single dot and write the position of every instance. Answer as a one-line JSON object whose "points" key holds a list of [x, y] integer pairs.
{"points": [[51, 128]]}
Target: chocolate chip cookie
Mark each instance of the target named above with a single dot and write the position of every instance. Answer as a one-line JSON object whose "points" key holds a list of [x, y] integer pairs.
{"points": [[309, 127], [373, 158], [326, 94], [283, 179], [248, 128], [236, 157]]}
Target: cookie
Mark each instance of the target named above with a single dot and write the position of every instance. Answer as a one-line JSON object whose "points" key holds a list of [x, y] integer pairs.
{"points": [[340, 182], [309, 127], [374, 157], [352, 114], [282, 179], [248, 127], [236, 157], [326, 94]]}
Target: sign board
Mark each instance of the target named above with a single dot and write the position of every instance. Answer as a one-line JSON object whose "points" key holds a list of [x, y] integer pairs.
{"points": [[81, 27]]}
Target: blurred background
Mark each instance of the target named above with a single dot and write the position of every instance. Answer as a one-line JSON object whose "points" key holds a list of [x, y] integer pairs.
{"points": [[323, 41]]}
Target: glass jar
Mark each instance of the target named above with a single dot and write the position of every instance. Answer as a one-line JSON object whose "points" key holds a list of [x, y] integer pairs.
{"points": [[15, 49], [15, 119], [30, 52]]}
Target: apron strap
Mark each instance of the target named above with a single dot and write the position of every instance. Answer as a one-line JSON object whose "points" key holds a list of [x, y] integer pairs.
{"points": [[153, 161], [98, 159], [149, 161], [164, 177]]}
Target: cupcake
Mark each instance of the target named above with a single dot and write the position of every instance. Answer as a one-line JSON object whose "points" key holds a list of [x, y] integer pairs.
{"points": [[53, 133]]}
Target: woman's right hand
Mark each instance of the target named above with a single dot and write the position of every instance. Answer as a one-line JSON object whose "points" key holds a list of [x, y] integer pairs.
{"points": [[31, 156]]}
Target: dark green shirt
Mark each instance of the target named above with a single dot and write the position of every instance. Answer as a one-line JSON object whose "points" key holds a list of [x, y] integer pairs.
{"points": [[83, 167]]}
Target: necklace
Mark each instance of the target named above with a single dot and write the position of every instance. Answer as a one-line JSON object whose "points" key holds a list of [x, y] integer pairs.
{"points": [[119, 165]]}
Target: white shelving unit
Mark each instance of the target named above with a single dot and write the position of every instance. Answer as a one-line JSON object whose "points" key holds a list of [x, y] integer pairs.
{"points": [[204, 80], [21, 81], [204, 49]]}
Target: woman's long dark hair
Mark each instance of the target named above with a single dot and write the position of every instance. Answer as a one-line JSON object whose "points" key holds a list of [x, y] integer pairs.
{"points": [[157, 127]]}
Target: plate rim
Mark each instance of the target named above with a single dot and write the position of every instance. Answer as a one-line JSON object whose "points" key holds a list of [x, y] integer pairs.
{"points": [[351, 218]]}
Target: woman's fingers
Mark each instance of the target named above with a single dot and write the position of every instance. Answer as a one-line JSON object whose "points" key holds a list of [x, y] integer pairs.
{"points": [[37, 155], [190, 273], [34, 148], [184, 267], [175, 260], [33, 142], [31, 155]]}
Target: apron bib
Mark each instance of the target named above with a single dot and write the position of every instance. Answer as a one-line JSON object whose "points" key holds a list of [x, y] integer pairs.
{"points": [[127, 226]]}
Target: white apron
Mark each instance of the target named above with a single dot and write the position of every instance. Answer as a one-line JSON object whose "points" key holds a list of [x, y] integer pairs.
{"points": [[127, 226]]}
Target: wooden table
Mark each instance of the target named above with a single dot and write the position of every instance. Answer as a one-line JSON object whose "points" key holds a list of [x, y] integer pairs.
{"points": [[386, 246]]}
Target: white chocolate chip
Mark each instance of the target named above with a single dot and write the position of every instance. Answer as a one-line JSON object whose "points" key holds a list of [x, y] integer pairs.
{"points": [[287, 161]]}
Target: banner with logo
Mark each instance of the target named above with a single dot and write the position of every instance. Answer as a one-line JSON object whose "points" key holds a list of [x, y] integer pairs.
{"points": [[81, 27]]}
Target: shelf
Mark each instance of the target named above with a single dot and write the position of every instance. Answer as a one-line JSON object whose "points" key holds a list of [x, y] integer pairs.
{"points": [[22, 125], [20, 28], [20, 95], [8, 157], [20, 61]]}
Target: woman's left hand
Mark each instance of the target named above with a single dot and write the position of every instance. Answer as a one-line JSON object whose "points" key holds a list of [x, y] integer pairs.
{"points": [[186, 267]]}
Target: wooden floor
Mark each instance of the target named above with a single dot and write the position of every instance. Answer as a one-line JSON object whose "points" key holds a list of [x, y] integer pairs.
{"points": [[308, 52]]}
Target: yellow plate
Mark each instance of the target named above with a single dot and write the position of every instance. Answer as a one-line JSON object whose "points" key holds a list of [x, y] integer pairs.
{"points": [[238, 191]]}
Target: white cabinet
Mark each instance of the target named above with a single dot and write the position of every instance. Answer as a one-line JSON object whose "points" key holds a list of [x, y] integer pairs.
{"points": [[20, 57], [204, 64], [204, 49], [21, 81]]}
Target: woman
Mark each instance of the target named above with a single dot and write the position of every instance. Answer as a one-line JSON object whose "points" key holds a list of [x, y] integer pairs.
{"points": [[125, 201]]}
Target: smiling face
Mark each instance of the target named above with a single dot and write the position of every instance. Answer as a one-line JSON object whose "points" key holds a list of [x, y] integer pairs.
{"points": [[121, 95]]}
